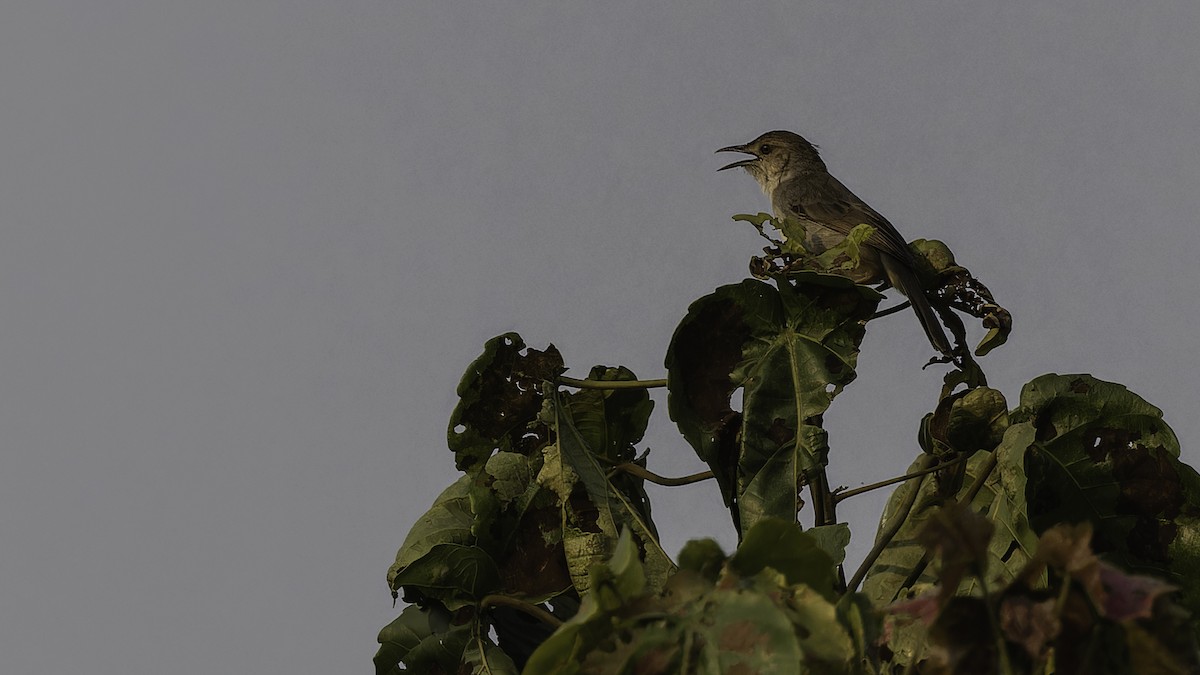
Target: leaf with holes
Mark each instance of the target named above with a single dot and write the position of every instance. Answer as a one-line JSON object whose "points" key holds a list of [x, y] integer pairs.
{"points": [[789, 350], [1101, 453]]}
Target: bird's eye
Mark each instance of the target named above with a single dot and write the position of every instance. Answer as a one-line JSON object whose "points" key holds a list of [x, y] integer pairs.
{"points": [[765, 149]]}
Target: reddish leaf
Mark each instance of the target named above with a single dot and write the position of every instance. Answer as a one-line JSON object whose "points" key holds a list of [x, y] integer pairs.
{"points": [[1130, 596]]}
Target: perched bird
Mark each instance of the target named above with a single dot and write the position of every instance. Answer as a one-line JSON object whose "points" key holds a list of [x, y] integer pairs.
{"points": [[792, 174]]}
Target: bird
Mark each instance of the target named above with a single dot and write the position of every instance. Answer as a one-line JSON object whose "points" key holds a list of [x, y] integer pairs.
{"points": [[791, 172]]}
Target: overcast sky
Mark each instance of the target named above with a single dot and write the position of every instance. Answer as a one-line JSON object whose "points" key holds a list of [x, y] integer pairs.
{"points": [[248, 247]]}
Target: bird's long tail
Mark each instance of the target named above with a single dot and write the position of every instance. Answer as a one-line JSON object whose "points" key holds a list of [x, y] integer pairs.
{"points": [[905, 280]]}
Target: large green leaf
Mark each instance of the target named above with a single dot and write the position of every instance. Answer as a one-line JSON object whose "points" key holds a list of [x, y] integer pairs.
{"points": [[422, 640], [499, 400], [972, 423], [790, 349], [501, 527], [832, 539], [593, 508], [782, 546], [1101, 453], [448, 521], [1077, 449], [1001, 500], [455, 574]]}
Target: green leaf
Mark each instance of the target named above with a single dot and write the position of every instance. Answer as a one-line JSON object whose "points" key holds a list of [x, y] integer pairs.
{"points": [[485, 658], [455, 574], [847, 255], [511, 475], [505, 516], [824, 638], [832, 539], [756, 220], [702, 556], [782, 546], [746, 632], [610, 422], [520, 525], [1001, 500], [500, 397], [448, 521], [613, 584], [978, 420], [1101, 453], [960, 538], [560, 653], [593, 508], [790, 350], [752, 619], [622, 578], [794, 234], [423, 641], [864, 626]]}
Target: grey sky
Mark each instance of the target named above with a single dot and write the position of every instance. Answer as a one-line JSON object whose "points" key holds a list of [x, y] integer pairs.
{"points": [[248, 247]]}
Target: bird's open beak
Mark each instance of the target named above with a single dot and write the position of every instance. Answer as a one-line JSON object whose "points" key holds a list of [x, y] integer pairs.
{"points": [[741, 162]]}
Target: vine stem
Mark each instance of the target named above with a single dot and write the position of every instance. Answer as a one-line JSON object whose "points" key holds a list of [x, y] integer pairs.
{"points": [[645, 474], [825, 513], [969, 496], [893, 528], [532, 610], [846, 494]]}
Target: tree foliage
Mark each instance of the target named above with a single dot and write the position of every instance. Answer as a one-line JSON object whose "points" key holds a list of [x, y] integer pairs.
{"points": [[1057, 536]]}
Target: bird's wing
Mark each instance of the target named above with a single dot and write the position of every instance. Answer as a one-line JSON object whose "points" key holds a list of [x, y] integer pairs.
{"points": [[833, 205]]}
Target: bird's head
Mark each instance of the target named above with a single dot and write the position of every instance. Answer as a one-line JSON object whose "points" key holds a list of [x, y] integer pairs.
{"points": [[776, 156]]}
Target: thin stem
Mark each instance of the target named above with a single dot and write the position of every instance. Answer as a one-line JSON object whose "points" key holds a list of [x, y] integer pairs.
{"points": [[818, 487], [986, 470], [611, 384], [825, 513], [891, 310], [893, 528], [532, 610], [914, 574], [839, 495], [645, 474], [967, 498]]}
